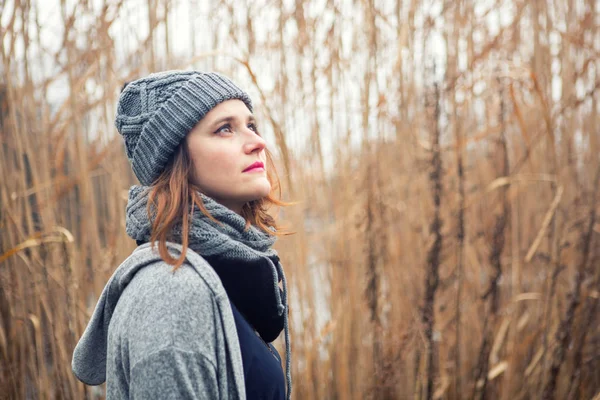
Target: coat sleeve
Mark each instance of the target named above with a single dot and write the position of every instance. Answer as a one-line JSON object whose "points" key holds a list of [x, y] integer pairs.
{"points": [[172, 373]]}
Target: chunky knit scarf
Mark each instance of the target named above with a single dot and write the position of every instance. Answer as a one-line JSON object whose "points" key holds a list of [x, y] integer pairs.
{"points": [[228, 241]]}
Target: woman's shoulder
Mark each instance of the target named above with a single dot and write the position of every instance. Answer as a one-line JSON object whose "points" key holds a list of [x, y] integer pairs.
{"points": [[146, 270], [160, 306], [159, 302]]}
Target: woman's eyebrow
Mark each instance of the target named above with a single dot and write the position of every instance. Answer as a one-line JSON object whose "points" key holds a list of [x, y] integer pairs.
{"points": [[230, 118]]}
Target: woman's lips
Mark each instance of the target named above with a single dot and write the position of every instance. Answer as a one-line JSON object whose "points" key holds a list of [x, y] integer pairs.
{"points": [[256, 164], [256, 169]]}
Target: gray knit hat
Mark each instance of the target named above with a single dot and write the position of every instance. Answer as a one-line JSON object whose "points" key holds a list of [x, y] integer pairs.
{"points": [[156, 112]]}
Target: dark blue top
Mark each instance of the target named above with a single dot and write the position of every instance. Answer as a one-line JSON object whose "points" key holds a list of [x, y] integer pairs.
{"points": [[263, 373]]}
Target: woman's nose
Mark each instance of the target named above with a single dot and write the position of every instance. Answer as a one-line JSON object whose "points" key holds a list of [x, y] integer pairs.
{"points": [[256, 142]]}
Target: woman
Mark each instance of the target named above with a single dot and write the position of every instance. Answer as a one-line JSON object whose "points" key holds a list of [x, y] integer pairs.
{"points": [[190, 314]]}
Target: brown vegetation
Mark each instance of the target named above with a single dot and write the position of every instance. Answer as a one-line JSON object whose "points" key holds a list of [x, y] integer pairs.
{"points": [[445, 154]]}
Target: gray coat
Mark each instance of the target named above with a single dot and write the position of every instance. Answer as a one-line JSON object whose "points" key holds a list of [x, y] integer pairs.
{"points": [[155, 334]]}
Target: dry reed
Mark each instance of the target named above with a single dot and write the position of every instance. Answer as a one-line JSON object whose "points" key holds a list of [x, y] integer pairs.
{"points": [[500, 301]]}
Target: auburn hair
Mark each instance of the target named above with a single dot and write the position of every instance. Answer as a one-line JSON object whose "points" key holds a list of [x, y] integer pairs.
{"points": [[172, 194]]}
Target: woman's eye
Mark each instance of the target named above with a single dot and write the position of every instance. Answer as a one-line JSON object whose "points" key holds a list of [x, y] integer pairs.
{"points": [[253, 127], [224, 128]]}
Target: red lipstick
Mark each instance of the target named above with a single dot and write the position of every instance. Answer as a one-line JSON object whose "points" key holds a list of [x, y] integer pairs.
{"points": [[256, 165]]}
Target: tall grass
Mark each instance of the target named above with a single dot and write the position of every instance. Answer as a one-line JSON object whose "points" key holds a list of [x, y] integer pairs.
{"points": [[448, 241]]}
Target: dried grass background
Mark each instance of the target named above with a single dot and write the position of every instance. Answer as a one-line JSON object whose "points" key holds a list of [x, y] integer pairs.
{"points": [[445, 154]]}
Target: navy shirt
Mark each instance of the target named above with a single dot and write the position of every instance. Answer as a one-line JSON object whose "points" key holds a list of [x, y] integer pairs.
{"points": [[263, 373]]}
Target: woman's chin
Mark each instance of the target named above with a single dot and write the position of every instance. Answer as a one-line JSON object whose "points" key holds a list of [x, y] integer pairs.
{"points": [[261, 191]]}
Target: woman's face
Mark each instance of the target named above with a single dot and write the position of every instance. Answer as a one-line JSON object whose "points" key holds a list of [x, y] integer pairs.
{"points": [[222, 145]]}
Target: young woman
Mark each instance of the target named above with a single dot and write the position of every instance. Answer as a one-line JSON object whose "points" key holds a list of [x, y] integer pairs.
{"points": [[190, 314]]}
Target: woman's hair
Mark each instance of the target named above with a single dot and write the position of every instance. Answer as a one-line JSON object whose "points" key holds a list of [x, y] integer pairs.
{"points": [[173, 193]]}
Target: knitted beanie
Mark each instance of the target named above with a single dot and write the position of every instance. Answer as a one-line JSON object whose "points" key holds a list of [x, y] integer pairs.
{"points": [[156, 112]]}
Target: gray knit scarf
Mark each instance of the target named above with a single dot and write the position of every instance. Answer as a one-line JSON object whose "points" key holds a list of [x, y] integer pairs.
{"points": [[229, 241]]}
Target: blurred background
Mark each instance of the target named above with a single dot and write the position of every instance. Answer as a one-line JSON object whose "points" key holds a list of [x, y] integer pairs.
{"points": [[445, 155]]}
